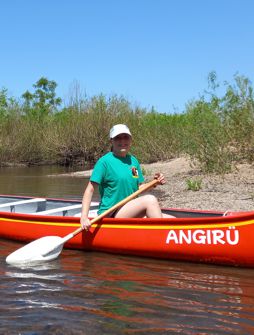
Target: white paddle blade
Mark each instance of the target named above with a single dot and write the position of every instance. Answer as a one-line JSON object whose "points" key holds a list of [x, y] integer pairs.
{"points": [[44, 249]]}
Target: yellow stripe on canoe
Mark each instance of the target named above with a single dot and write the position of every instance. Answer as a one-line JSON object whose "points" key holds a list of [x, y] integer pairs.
{"points": [[128, 226]]}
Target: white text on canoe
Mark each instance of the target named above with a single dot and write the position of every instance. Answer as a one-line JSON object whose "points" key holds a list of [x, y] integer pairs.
{"points": [[204, 236]]}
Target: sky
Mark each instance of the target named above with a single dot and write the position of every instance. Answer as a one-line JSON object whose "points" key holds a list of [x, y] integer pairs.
{"points": [[155, 53]]}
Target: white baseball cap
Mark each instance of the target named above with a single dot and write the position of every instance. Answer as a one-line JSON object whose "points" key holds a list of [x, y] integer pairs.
{"points": [[119, 129]]}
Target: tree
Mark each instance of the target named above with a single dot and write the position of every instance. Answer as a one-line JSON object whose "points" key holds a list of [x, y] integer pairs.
{"points": [[43, 100]]}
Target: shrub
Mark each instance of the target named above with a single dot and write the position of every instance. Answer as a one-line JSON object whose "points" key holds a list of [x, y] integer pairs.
{"points": [[194, 184], [214, 131]]}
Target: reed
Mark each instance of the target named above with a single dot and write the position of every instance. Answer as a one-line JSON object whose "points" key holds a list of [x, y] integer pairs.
{"points": [[216, 132]]}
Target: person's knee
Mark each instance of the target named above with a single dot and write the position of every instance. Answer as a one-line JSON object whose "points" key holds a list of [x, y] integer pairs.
{"points": [[151, 200]]}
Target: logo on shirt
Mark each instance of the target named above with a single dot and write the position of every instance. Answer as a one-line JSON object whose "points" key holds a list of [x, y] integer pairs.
{"points": [[134, 171]]}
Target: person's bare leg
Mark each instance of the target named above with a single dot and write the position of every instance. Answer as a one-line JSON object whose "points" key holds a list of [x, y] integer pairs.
{"points": [[146, 205], [165, 216]]}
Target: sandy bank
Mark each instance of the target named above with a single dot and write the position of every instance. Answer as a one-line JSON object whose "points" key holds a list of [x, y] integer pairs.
{"points": [[234, 191]]}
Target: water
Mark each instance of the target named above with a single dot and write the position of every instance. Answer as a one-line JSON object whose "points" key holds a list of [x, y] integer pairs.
{"points": [[42, 181], [97, 293]]}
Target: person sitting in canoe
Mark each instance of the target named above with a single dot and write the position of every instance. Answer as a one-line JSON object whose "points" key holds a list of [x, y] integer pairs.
{"points": [[118, 175]]}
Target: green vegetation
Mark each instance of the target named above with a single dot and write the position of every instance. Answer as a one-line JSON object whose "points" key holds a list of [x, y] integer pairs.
{"points": [[215, 131], [194, 184]]}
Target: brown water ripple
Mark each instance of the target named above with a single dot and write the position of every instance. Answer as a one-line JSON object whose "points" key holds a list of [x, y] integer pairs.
{"points": [[93, 293]]}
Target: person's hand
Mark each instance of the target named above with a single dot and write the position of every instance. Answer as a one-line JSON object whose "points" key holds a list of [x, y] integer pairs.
{"points": [[85, 223], [160, 177]]}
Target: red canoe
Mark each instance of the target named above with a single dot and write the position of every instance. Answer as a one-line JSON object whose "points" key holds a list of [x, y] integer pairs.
{"points": [[196, 236]]}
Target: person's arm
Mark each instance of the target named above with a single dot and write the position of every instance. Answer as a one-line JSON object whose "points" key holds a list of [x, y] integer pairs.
{"points": [[86, 202]]}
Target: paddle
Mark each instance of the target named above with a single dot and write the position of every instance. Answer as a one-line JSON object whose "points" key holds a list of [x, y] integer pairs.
{"points": [[49, 247]]}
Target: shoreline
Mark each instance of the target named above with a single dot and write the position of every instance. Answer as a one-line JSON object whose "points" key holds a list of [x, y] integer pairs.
{"points": [[234, 191]]}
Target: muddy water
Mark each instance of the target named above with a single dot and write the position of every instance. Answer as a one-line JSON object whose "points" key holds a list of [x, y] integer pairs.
{"points": [[51, 181], [95, 293]]}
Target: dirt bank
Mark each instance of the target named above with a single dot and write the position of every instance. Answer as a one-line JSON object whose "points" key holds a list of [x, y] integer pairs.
{"points": [[234, 191]]}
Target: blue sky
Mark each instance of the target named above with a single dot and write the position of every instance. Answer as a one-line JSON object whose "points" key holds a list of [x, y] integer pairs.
{"points": [[153, 52]]}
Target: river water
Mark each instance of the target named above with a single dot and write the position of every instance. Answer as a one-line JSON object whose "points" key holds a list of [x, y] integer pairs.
{"points": [[97, 293]]}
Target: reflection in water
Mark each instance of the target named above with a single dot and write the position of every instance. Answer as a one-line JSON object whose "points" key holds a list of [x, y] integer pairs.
{"points": [[106, 294]]}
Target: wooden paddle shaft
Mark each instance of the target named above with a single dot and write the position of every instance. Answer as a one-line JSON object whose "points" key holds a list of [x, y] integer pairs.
{"points": [[144, 188]]}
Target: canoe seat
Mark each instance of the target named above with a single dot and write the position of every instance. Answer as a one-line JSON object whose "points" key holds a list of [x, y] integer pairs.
{"points": [[62, 211], [16, 206], [70, 210]]}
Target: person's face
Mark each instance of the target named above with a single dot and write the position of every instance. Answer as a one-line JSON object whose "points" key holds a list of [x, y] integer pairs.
{"points": [[121, 144]]}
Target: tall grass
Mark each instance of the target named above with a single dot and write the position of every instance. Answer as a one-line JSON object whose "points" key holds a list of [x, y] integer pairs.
{"points": [[215, 131]]}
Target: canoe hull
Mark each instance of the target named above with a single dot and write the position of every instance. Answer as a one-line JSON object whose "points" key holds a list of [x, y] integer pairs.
{"points": [[210, 239]]}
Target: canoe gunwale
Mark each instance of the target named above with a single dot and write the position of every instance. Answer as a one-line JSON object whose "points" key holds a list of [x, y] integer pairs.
{"points": [[183, 238]]}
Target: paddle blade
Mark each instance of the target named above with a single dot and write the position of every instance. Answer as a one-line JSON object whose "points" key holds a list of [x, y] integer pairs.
{"points": [[44, 249]]}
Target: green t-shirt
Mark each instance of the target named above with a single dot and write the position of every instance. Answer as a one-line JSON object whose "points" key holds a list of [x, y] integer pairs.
{"points": [[118, 177]]}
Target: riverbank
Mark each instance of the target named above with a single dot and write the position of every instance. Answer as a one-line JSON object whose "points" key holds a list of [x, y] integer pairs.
{"points": [[233, 191]]}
